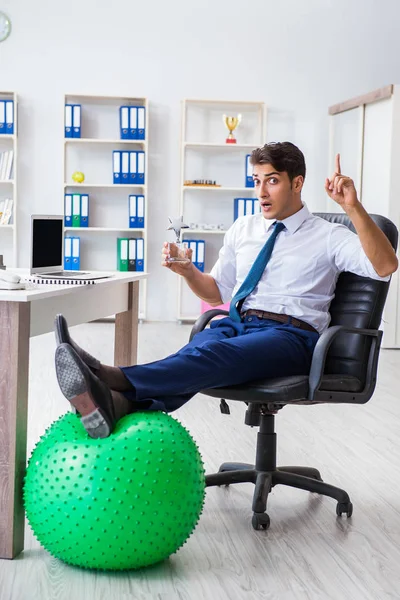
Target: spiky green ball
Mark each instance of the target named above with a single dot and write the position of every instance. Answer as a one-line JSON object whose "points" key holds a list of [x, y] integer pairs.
{"points": [[123, 502]]}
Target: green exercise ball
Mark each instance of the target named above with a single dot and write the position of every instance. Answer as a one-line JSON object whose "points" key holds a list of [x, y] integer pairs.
{"points": [[123, 502]]}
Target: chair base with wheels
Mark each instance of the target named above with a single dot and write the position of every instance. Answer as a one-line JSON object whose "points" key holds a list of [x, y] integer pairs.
{"points": [[265, 474]]}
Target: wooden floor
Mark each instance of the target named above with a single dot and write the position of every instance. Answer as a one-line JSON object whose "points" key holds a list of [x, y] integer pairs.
{"points": [[308, 553]]}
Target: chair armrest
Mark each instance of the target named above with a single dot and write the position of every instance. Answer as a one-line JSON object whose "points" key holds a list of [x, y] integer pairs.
{"points": [[204, 319], [321, 351]]}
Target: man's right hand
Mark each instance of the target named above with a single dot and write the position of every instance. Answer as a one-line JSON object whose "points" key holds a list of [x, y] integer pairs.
{"points": [[181, 268]]}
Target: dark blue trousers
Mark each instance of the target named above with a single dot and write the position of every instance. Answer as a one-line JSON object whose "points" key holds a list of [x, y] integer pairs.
{"points": [[227, 353]]}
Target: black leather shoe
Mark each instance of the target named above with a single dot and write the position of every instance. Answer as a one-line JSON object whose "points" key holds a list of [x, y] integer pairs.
{"points": [[63, 337], [88, 395]]}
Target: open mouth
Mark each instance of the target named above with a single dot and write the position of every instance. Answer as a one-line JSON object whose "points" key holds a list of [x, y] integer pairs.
{"points": [[266, 205]]}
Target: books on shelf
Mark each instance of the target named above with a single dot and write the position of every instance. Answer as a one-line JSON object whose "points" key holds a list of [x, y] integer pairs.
{"points": [[136, 211], [200, 182], [198, 252], [6, 165], [72, 253], [129, 167], [76, 210], [6, 117], [112, 154], [132, 120], [130, 254], [6, 210], [245, 206], [73, 120], [249, 181]]}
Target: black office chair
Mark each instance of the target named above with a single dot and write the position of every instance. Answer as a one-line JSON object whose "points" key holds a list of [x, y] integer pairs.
{"points": [[343, 370]]}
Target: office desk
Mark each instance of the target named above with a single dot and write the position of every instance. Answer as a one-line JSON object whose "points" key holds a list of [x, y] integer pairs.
{"points": [[25, 314]]}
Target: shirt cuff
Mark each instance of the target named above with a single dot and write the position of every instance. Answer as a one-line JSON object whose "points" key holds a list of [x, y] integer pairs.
{"points": [[225, 293], [372, 273]]}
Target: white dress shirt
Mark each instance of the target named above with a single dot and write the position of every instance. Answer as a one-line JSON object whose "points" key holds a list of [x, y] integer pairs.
{"points": [[301, 275]]}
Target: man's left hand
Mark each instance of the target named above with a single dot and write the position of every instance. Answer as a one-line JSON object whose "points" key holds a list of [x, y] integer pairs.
{"points": [[341, 188]]}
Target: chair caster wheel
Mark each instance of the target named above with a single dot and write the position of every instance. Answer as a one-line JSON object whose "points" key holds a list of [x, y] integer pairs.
{"points": [[260, 521], [344, 507]]}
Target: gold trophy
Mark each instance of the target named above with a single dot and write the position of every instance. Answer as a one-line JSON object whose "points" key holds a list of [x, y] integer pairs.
{"points": [[231, 123]]}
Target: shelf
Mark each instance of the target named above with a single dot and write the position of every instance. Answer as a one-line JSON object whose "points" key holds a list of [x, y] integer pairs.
{"points": [[92, 154], [190, 319], [205, 156], [100, 141], [217, 146], [204, 231], [219, 102], [105, 185], [104, 99], [217, 189], [103, 229], [8, 187]]}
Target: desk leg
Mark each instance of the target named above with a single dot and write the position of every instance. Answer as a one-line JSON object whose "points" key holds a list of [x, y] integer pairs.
{"points": [[14, 376], [126, 330]]}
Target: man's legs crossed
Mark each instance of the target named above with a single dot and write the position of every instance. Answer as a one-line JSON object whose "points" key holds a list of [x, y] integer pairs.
{"points": [[95, 390], [228, 353]]}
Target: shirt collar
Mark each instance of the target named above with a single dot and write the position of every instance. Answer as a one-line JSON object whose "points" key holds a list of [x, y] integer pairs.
{"points": [[293, 222]]}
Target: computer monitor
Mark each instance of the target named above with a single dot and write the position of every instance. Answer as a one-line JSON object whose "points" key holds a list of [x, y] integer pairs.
{"points": [[47, 243]]}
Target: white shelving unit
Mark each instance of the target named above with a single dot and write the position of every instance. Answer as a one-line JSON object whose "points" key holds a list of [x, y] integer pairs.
{"points": [[108, 202], [206, 156], [8, 189]]}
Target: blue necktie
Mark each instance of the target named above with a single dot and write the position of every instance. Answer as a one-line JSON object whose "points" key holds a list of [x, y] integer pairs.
{"points": [[255, 273]]}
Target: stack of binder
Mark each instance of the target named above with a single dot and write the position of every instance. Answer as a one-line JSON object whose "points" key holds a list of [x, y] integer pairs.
{"points": [[6, 165], [76, 210], [130, 254], [136, 211], [132, 121], [249, 181], [72, 253], [198, 247], [128, 167], [72, 120], [245, 206], [6, 117]]}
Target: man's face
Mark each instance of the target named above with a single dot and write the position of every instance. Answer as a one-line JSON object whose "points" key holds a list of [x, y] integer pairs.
{"points": [[279, 197]]}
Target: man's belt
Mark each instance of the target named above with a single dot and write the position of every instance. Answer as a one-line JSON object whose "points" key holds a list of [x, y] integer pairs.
{"points": [[263, 314]]}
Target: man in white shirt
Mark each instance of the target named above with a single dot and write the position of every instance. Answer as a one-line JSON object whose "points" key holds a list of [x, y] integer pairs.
{"points": [[272, 331]]}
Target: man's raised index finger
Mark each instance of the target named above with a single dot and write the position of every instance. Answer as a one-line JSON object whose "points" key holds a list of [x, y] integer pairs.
{"points": [[337, 169]]}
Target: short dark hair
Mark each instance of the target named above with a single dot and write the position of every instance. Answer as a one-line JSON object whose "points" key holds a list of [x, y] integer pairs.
{"points": [[283, 156]]}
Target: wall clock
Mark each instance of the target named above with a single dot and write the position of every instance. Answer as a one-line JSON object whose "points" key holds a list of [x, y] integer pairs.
{"points": [[5, 26]]}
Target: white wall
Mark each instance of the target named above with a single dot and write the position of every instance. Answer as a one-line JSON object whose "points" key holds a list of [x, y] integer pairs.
{"points": [[299, 57]]}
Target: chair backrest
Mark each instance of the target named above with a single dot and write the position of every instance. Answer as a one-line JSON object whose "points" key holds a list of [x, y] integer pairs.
{"points": [[358, 302]]}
